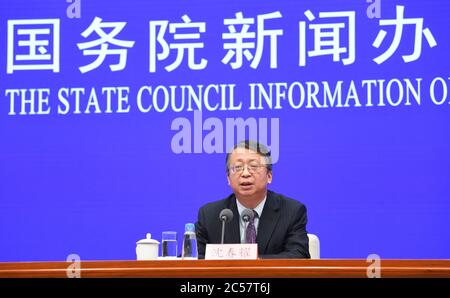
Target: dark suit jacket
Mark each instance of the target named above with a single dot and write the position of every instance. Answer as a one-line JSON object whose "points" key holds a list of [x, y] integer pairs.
{"points": [[281, 229]]}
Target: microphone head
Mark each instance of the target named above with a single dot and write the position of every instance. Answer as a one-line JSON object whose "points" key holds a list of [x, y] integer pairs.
{"points": [[247, 215], [226, 215]]}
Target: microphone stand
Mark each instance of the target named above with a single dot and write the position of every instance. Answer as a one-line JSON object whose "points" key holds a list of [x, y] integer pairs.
{"points": [[246, 219], [223, 228]]}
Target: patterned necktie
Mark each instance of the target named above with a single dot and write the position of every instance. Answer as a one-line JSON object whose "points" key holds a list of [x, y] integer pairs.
{"points": [[250, 233]]}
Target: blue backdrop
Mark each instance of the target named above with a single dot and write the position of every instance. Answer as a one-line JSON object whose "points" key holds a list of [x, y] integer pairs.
{"points": [[92, 174]]}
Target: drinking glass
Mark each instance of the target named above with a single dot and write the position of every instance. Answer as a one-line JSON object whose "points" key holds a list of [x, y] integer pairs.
{"points": [[169, 244]]}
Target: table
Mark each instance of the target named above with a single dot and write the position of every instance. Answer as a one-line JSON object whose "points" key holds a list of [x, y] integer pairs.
{"points": [[263, 268]]}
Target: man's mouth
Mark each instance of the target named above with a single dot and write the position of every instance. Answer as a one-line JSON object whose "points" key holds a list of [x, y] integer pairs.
{"points": [[246, 183]]}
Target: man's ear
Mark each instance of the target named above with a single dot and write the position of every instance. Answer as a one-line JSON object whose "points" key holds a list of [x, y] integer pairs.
{"points": [[228, 179], [269, 177]]}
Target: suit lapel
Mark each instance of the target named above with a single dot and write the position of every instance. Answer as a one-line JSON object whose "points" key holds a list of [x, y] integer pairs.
{"points": [[267, 222], [232, 231]]}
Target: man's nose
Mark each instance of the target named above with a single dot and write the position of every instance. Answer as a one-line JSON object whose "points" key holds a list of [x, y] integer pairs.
{"points": [[245, 172]]}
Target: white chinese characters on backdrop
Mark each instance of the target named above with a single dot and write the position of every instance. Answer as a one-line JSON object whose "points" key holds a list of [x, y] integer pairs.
{"points": [[34, 44]]}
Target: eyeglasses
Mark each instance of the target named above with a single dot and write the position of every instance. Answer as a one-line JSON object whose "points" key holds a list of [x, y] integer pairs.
{"points": [[252, 168]]}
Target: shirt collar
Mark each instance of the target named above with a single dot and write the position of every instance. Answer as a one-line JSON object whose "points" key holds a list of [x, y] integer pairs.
{"points": [[258, 208]]}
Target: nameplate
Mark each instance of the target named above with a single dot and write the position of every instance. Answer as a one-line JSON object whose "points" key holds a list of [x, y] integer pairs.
{"points": [[231, 251]]}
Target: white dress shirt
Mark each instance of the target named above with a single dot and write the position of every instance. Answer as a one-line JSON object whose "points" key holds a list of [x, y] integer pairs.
{"points": [[242, 224]]}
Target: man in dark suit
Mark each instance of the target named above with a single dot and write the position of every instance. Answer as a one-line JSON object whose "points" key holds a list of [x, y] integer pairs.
{"points": [[279, 223]]}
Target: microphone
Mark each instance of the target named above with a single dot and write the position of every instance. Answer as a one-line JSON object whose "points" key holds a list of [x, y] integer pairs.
{"points": [[247, 215], [225, 215]]}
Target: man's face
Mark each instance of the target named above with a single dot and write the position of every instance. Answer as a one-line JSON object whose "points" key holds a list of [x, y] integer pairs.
{"points": [[248, 175]]}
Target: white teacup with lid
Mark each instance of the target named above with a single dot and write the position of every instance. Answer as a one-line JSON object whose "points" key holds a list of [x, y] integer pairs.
{"points": [[147, 249]]}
